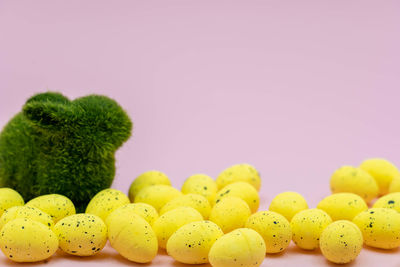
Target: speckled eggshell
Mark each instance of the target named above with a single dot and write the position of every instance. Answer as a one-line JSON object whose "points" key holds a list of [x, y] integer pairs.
{"points": [[390, 201], [81, 234], [147, 179], [195, 201], [239, 173], [241, 190], [57, 206], [132, 236], [383, 172], [380, 227], [341, 242], [307, 226], [172, 220], [192, 242], [157, 195], [201, 184], [241, 247], [105, 202], [230, 213], [9, 198], [273, 227], [144, 210], [25, 240], [26, 212], [288, 204], [343, 206], [354, 180]]}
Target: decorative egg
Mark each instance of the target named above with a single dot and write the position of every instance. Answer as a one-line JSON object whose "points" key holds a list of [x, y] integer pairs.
{"points": [[57, 206], [147, 179]]}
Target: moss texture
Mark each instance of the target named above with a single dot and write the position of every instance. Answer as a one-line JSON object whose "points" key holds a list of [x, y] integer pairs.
{"points": [[60, 146]]}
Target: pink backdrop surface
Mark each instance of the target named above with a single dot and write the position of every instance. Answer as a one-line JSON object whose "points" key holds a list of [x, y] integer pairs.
{"points": [[296, 88]]}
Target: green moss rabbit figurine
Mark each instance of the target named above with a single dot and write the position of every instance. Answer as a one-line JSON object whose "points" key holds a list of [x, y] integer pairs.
{"points": [[60, 146]]}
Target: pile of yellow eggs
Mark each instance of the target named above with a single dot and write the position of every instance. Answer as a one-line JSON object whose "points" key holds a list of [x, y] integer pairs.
{"points": [[209, 221]]}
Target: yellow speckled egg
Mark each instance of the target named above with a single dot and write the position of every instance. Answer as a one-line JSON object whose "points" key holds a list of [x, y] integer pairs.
{"points": [[341, 242], [230, 213], [307, 226], [192, 242], [172, 220], [354, 180], [383, 172], [81, 234], [395, 185], [9, 198], [288, 204], [57, 206], [105, 202], [342, 206], [157, 195], [241, 190], [201, 184], [26, 212], [380, 227], [390, 201], [147, 179], [195, 201], [24, 240], [241, 247], [239, 173], [144, 210], [132, 236], [273, 227]]}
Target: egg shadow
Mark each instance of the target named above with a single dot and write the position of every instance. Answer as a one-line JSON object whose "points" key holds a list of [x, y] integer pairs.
{"points": [[381, 250], [163, 252], [7, 262], [179, 264], [293, 249]]}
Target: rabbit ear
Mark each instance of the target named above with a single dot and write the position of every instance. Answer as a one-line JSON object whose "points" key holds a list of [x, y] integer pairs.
{"points": [[106, 117], [49, 115]]}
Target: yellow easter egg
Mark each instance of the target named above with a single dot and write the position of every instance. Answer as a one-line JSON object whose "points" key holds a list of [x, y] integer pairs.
{"points": [[157, 195], [9, 198], [241, 190], [341, 242], [192, 242], [342, 206], [131, 235], [354, 180], [395, 185], [274, 229], [26, 212], [288, 204], [230, 213], [383, 172], [81, 234], [239, 173], [57, 206], [307, 226], [390, 201], [241, 247], [380, 227], [144, 210], [201, 184], [195, 201], [25, 240], [147, 179], [172, 220], [105, 202]]}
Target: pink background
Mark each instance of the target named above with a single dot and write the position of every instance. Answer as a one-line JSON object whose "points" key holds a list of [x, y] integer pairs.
{"points": [[296, 88]]}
